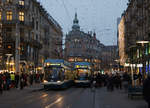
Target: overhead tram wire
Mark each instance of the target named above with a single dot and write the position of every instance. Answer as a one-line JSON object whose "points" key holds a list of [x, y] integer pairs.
{"points": [[67, 12]]}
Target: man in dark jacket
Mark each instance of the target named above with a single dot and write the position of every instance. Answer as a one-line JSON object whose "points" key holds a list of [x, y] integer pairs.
{"points": [[16, 79], [1, 84], [146, 90]]}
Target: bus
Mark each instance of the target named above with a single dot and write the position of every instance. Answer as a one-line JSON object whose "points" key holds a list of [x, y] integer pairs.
{"points": [[57, 74], [82, 73]]}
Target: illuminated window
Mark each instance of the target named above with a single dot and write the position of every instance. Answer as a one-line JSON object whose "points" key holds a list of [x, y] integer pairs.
{"points": [[21, 2], [9, 47], [0, 16], [9, 15], [21, 16], [9, 1]]}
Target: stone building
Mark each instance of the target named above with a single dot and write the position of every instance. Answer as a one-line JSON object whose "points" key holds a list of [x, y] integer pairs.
{"points": [[28, 34], [109, 56], [137, 34], [81, 46]]}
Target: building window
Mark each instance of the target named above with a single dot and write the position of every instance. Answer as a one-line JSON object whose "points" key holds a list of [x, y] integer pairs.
{"points": [[21, 16], [37, 24], [9, 46], [21, 2], [9, 1], [9, 15], [0, 16]]}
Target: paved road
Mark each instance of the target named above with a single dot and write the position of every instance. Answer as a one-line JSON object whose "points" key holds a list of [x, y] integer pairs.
{"points": [[70, 98]]}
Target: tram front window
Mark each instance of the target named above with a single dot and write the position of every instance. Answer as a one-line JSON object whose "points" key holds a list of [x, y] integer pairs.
{"points": [[54, 75], [83, 75]]}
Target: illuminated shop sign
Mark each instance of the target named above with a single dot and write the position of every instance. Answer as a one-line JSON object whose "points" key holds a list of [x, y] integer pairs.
{"points": [[81, 66], [53, 64]]}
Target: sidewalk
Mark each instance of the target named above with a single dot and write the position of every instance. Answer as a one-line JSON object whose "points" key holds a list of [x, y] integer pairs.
{"points": [[116, 99]]}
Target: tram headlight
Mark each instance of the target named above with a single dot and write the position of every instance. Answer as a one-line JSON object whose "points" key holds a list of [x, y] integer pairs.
{"points": [[58, 81], [45, 81]]}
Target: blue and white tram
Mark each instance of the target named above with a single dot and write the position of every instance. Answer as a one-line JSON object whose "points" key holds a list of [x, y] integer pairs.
{"points": [[57, 74], [82, 74]]}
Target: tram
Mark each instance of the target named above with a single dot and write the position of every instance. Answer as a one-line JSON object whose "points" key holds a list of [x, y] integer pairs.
{"points": [[57, 74], [82, 74]]}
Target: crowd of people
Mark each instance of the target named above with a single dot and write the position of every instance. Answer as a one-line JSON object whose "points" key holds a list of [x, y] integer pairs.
{"points": [[17, 80], [112, 80]]}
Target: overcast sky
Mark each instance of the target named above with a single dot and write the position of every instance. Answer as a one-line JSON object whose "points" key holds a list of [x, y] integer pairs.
{"points": [[98, 15]]}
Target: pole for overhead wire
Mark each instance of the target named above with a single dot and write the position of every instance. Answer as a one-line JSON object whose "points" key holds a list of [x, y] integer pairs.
{"points": [[17, 48]]}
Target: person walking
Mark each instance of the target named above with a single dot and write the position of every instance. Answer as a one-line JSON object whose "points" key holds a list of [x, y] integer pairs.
{"points": [[21, 81], [12, 77], [1, 84], [16, 79], [31, 77], [146, 90], [110, 83]]}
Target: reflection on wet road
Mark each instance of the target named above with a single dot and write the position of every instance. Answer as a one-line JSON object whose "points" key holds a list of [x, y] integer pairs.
{"points": [[70, 98]]}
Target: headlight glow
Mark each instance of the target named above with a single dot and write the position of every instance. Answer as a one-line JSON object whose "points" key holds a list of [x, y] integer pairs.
{"points": [[45, 81], [58, 81]]}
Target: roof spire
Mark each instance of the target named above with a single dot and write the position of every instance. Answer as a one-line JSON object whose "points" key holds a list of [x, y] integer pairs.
{"points": [[76, 23]]}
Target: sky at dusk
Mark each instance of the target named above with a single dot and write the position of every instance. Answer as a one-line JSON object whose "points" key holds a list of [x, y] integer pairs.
{"points": [[94, 15]]}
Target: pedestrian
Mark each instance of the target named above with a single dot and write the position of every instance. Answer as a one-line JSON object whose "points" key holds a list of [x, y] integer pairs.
{"points": [[12, 77], [140, 78], [16, 79], [118, 81], [1, 84], [146, 90], [126, 81], [110, 83], [7, 80], [31, 77], [4, 82], [21, 81]]}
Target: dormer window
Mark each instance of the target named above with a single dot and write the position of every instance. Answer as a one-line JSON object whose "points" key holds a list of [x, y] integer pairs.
{"points": [[21, 2]]}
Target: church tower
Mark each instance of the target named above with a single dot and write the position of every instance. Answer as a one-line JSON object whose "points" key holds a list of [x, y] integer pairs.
{"points": [[75, 23]]}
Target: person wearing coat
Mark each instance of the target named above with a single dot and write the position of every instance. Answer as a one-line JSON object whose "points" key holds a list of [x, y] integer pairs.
{"points": [[1, 84], [146, 90]]}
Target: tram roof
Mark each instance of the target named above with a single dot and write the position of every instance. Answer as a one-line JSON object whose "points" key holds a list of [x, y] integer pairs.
{"points": [[82, 63], [54, 61], [59, 61]]}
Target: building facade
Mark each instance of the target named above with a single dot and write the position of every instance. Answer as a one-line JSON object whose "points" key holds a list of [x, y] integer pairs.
{"points": [[109, 57], [137, 35], [81, 46], [28, 35]]}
